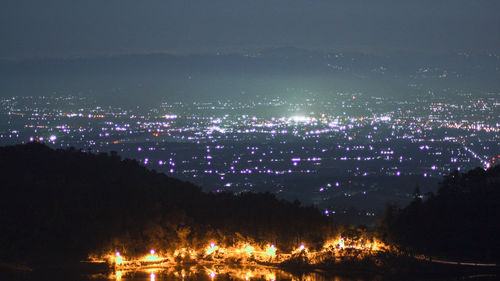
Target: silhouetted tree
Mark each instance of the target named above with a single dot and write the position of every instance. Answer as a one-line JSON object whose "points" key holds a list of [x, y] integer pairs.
{"points": [[460, 221]]}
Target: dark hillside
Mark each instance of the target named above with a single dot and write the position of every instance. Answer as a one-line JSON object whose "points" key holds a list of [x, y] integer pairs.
{"points": [[462, 220], [67, 203]]}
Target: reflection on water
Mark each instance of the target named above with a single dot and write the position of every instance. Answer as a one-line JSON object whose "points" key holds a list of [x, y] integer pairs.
{"points": [[216, 273], [249, 273], [209, 273], [223, 272]]}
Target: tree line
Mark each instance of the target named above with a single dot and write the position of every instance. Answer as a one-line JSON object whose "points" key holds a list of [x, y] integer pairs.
{"points": [[461, 221]]}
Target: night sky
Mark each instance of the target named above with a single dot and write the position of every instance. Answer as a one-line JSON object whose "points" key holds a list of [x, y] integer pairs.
{"points": [[69, 28]]}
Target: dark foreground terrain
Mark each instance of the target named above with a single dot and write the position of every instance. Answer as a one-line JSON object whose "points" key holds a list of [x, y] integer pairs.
{"points": [[57, 206], [61, 205]]}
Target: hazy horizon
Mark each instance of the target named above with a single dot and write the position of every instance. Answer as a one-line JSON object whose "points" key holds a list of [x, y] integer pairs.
{"points": [[59, 28]]}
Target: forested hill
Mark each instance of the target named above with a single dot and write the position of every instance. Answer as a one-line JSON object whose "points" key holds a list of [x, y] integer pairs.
{"points": [[64, 204], [461, 221]]}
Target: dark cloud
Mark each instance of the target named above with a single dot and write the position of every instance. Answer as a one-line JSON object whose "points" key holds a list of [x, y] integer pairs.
{"points": [[95, 27]]}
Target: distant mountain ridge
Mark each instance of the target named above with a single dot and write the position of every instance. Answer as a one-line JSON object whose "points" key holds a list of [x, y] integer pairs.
{"points": [[267, 72]]}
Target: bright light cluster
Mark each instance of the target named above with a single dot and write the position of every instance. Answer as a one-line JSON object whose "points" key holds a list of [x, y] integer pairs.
{"points": [[247, 253]]}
